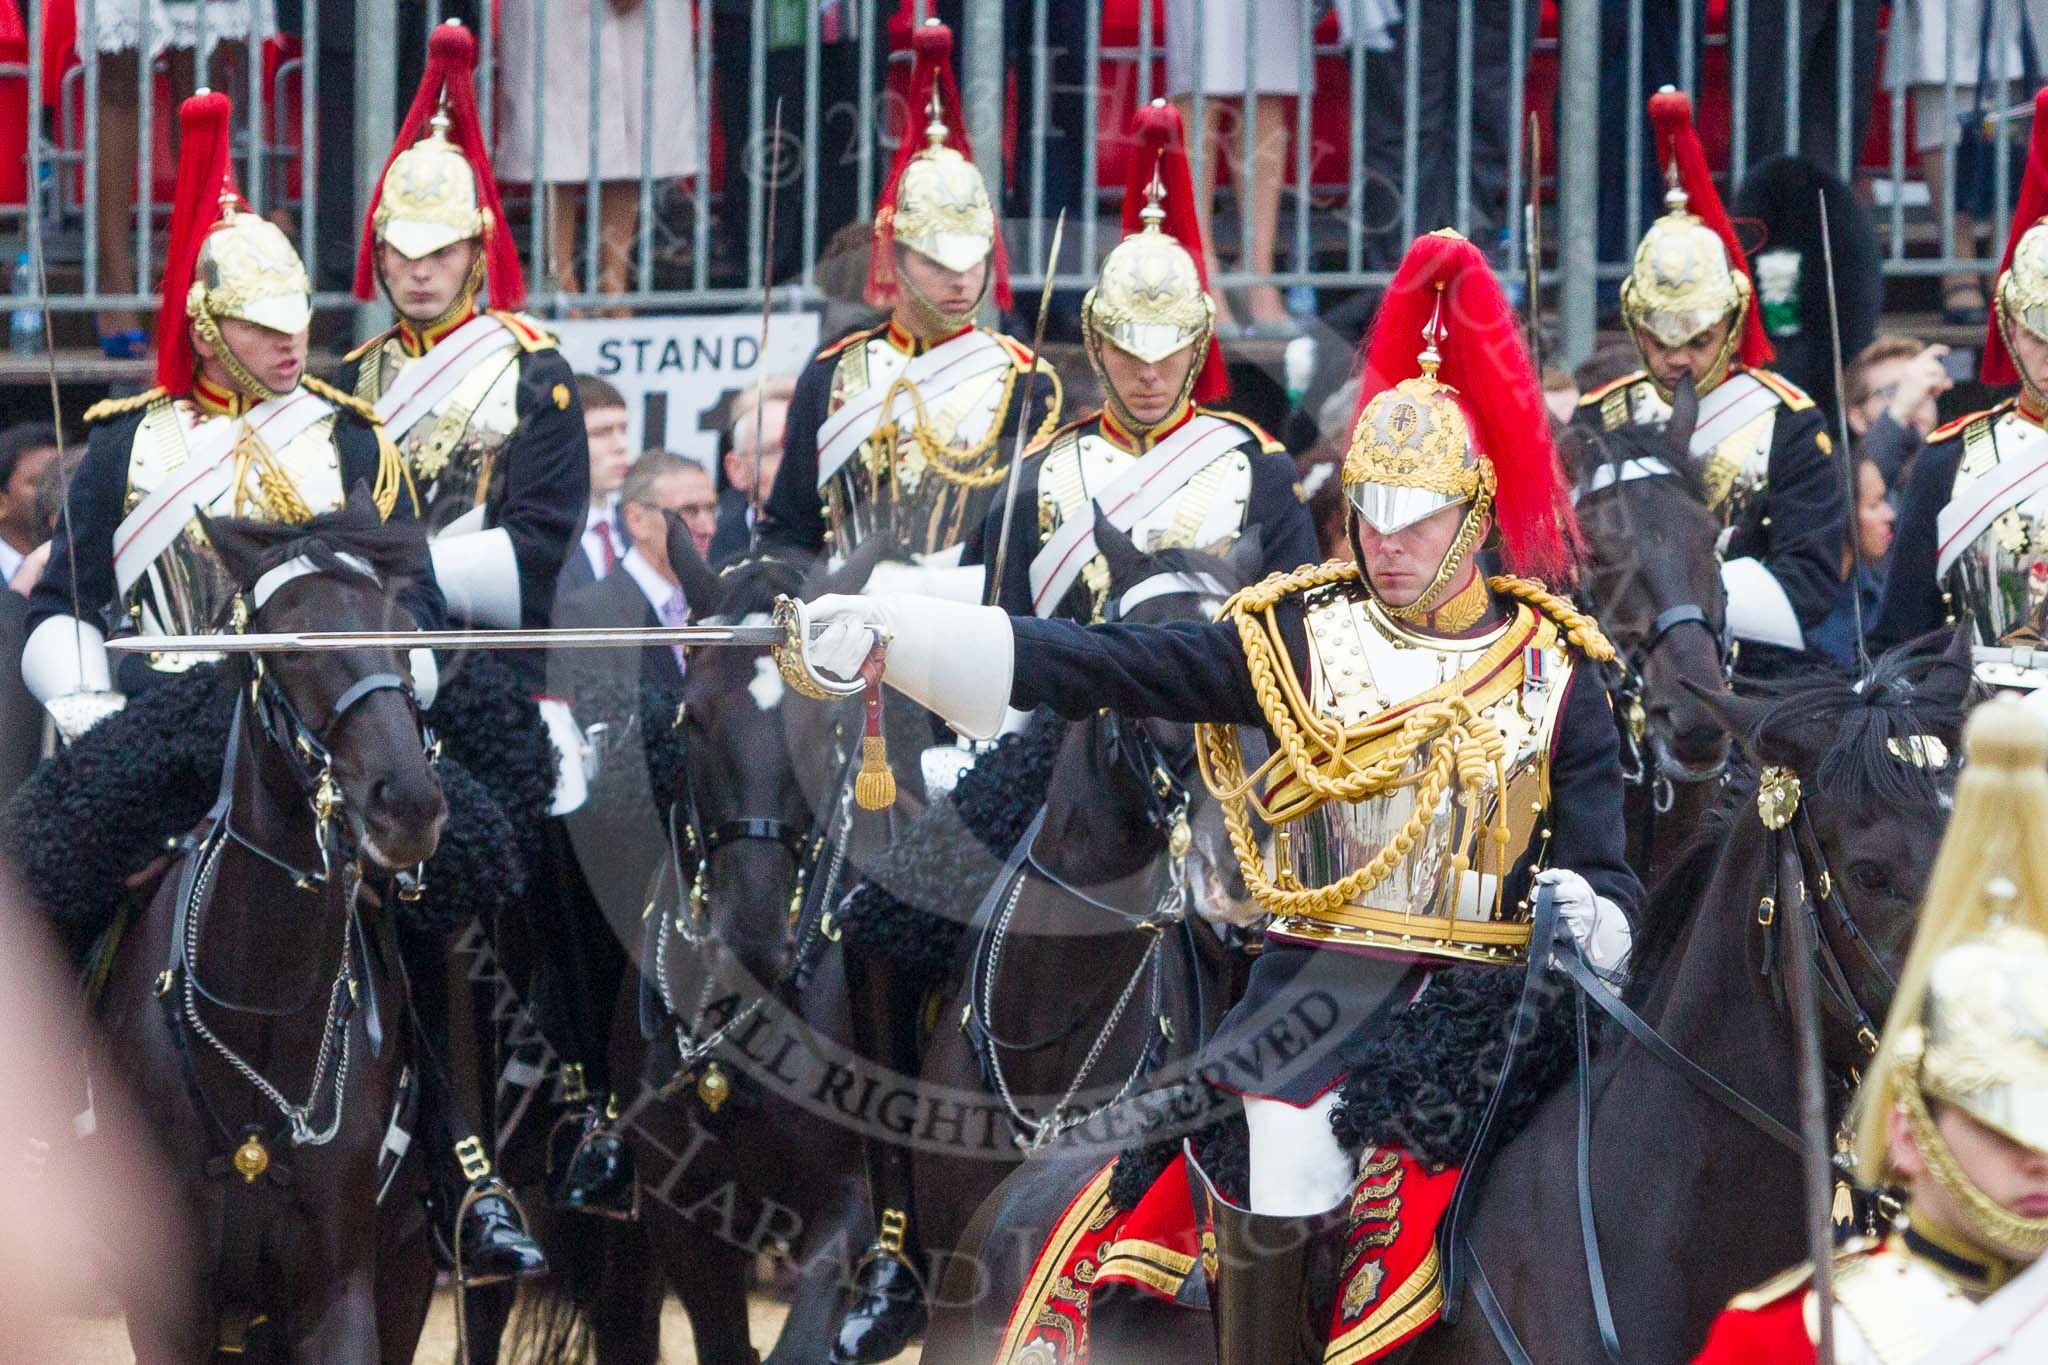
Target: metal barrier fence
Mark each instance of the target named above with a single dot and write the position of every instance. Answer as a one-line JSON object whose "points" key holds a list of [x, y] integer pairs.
{"points": [[1414, 111]]}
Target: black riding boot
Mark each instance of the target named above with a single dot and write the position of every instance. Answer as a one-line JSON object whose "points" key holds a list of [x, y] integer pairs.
{"points": [[1273, 1279], [590, 1167], [886, 1308]]}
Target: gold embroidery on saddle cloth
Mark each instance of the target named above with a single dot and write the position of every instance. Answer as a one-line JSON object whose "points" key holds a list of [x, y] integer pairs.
{"points": [[1439, 750]]}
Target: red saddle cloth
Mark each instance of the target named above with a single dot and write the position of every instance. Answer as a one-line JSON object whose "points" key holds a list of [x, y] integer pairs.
{"points": [[1390, 1287]]}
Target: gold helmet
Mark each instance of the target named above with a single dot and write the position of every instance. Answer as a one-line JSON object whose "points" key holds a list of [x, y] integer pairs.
{"points": [[223, 261], [2020, 297], [437, 189], [1689, 273], [1460, 423], [935, 201], [1151, 299], [1969, 1025]]}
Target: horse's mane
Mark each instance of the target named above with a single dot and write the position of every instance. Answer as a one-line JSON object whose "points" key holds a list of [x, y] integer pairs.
{"points": [[749, 587], [1908, 693], [252, 548]]}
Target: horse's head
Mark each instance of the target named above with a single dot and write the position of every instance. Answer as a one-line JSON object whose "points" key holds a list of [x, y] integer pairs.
{"points": [[348, 713], [746, 810], [1874, 764], [1154, 759], [1653, 579]]}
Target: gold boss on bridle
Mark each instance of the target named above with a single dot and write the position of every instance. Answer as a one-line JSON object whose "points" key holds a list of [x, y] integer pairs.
{"points": [[1149, 303], [1681, 284]]}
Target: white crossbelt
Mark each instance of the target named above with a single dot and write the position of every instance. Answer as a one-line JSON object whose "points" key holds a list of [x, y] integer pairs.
{"points": [[1163, 471], [1731, 405], [422, 385], [966, 357], [207, 472], [2021, 472]]}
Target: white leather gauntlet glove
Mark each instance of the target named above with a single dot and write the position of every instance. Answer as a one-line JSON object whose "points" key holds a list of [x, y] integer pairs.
{"points": [[1597, 924], [954, 659]]}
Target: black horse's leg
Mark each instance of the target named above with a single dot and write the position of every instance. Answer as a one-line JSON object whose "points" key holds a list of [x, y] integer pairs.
{"points": [[710, 1276], [627, 1313], [343, 1329]]}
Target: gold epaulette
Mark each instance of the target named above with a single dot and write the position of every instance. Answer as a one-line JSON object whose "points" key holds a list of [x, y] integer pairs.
{"points": [[341, 398], [1790, 394], [832, 348], [1267, 443], [1786, 1283], [372, 344], [114, 407], [1611, 399], [1042, 442], [1948, 431], [1017, 350], [530, 335], [1580, 629]]}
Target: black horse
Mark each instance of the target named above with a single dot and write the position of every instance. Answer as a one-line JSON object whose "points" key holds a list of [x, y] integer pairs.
{"points": [[1692, 1201], [256, 1006], [1653, 579]]}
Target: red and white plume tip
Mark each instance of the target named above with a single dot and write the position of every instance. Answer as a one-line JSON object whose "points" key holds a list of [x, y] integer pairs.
{"points": [[1997, 366], [931, 69], [1163, 150], [1482, 356], [1678, 148], [205, 178], [450, 78]]}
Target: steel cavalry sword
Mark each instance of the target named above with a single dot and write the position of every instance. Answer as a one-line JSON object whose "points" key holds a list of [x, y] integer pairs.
{"points": [[318, 641], [1024, 423]]}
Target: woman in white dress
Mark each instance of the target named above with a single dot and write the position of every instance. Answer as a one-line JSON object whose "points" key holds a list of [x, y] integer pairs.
{"points": [[1917, 54], [115, 33], [1206, 50], [549, 73]]}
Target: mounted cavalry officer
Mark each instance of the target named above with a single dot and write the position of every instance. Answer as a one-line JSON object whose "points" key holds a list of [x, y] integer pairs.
{"points": [[1165, 468], [1954, 1109], [1971, 533], [905, 428], [234, 427], [484, 412], [1166, 471], [1760, 447], [1439, 744]]}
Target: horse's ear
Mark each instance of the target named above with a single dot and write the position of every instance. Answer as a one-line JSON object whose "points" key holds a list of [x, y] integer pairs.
{"points": [[1949, 675], [238, 554], [361, 507], [1741, 717], [700, 584], [1128, 565], [1246, 558], [1685, 412]]}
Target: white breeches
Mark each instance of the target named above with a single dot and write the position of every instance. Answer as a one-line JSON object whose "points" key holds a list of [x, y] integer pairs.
{"points": [[1297, 1168]]}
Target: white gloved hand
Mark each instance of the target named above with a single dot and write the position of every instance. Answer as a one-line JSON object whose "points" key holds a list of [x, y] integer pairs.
{"points": [[950, 658], [1597, 924], [845, 628]]}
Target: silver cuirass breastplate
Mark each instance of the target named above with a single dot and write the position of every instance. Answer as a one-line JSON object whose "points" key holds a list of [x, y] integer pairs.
{"points": [[453, 451]]}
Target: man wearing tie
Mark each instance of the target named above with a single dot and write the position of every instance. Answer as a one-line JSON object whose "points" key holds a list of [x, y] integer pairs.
{"points": [[646, 590], [603, 539]]}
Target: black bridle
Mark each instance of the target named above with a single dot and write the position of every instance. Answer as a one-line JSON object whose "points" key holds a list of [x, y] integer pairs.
{"points": [[1799, 883]]}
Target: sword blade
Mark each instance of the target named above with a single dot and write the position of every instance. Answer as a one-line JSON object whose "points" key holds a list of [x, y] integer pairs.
{"points": [[316, 641], [1052, 265]]}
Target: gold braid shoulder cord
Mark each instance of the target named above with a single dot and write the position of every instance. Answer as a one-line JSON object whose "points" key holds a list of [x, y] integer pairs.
{"points": [[978, 466], [1316, 750]]}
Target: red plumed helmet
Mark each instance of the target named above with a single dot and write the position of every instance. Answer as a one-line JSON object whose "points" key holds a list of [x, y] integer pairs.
{"points": [[1678, 149], [1445, 311], [204, 176], [934, 168], [1997, 366], [1162, 152], [421, 203]]}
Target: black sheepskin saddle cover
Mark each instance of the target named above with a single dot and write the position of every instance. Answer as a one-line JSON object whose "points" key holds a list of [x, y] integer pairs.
{"points": [[951, 854], [1423, 1083], [101, 809]]}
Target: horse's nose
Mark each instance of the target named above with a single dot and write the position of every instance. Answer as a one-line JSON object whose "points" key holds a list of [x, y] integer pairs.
{"points": [[409, 805]]}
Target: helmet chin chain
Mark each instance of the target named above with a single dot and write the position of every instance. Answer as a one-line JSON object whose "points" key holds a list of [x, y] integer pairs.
{"points": [[1417, 612], [1724, 359], [465, 298], [933, 317], [209, 331], [1092, 342], [1995, 1227], [2035, 395]]}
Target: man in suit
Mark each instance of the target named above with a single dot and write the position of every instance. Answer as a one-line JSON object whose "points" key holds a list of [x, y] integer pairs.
{"points": [[645, 591], [763, 413], [602, 541]]}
